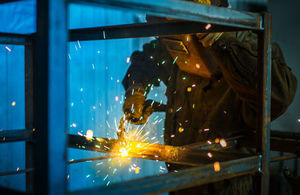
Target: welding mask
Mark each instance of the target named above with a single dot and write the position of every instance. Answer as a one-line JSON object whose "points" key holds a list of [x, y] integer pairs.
{"points": [[189, 51]]}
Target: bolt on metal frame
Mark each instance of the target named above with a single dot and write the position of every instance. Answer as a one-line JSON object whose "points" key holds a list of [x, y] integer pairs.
{"points": [[46, 87]]}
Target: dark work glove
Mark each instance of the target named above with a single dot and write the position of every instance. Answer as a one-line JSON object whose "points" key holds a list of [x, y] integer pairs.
{"points": [[135, 109]]}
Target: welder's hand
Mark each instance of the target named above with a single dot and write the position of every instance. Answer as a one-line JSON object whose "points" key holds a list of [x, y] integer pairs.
{"points": [[135, 109]]}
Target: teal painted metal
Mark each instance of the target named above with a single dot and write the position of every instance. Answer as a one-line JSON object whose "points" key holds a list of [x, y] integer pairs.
{"points": [[50, 96], [186, 11]]}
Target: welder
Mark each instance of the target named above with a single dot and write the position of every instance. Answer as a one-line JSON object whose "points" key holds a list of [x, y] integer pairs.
{"points": [[211, 90]]}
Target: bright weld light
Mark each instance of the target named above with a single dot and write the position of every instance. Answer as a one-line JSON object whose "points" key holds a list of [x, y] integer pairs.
{"points": [[208, 26], [13, 103], [8, 49], [128, 59], [89, 134], [137, 170], [123, 152], [209, 155], [217, 166], [223, 143]]}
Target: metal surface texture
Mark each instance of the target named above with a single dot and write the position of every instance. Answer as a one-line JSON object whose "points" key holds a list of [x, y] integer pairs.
{"points": [[29, 115], [145, 30], [186, 11], [50, 96], [179, 180], [15, 39], [264, 104], [166, 153]]}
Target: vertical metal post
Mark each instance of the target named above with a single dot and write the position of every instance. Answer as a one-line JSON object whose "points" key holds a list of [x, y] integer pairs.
{"points": [[29, 146], [264, 104], [50, 96]]}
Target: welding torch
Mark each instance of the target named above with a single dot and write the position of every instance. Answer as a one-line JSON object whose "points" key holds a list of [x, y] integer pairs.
{"points": [[150, 106]]}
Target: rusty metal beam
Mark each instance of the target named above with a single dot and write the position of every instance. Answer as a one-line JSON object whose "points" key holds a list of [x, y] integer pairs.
{"points": [[179, 180]]}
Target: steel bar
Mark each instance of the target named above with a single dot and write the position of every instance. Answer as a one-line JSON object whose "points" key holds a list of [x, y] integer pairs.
{"points": [[285, 134], [166, 153], [145, 30], [14, 39], [16, 135], [186, 11], [16, 172], [92, 159], [29, 115], [285, 157], [179, 180], [263, 103], [50, 96]]}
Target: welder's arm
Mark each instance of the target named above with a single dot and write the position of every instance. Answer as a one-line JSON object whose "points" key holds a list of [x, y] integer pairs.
{"points": [[239, 59], [147, 69]]}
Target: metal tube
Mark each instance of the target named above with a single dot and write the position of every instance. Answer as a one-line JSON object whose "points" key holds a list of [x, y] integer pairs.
{"points": [[263, 103], [186, 11]]}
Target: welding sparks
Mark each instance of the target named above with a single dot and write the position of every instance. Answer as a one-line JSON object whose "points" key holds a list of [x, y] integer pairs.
{"points": [[217, 166], [117, 98], [127, 60], [208, 26], [209, 155], [223, 143], [8, 49], [89, 134], [198, 66], [13, 103]]}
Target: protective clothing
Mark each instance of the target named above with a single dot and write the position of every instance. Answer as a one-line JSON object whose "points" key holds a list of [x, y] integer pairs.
{"points": [[204, 109]]}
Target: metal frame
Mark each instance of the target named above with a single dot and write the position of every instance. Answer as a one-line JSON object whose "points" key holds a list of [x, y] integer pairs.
{"points": [[46, 84]]}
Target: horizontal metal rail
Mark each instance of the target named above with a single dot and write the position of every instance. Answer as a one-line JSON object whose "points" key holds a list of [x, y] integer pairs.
{"points": [[16, 172], [186, 11], [179, 180], [145, 30], [14, 39], [166, 153], [16, 135]]}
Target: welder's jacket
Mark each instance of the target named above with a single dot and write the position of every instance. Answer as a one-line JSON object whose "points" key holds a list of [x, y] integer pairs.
{"points": [[206, 109]]}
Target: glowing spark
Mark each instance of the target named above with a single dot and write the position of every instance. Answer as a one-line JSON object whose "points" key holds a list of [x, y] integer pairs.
{"points": [[89, 134], [179, 109], [18, 169], [217, 140], [217, 166], [117, 98], [193, 85], [137, 170], [225, 112], [105, 177], [88, 176], [187, 38], [189, 89], [299, 120], [108, 183], [172, 135], [209, 142], [180, 129], [78, 44], [209, 155], [68, 176], [79, 133], [81, 89], [208, 26], [223, 143], [175, 59], [74, 125], [13, 103], [93, 65], [104, 35], [198, 66], [118, 81], [206, 129], [183, 78], [8, 49], [69, 56], [98, 52]]}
